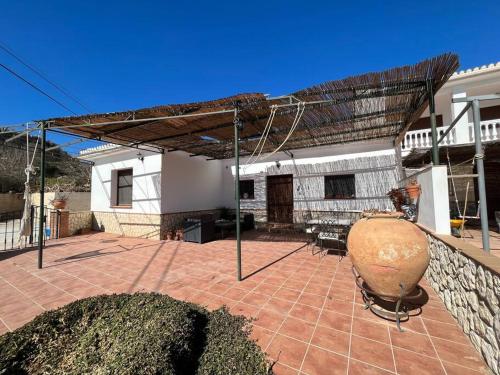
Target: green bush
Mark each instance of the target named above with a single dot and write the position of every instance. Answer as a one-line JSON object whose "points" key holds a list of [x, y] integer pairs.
{"points": [[143, 333]]}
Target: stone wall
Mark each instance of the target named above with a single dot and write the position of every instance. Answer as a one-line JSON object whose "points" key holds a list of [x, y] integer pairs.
{"points": [[128, 224], [79, 221], [153, 226], [468, 281], [374, 177]]}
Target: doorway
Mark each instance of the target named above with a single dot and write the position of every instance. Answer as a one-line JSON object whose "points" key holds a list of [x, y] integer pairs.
{"points": [[280, 199]]}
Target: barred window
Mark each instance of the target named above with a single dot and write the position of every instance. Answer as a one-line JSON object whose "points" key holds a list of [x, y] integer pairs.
{"points": [[340, 187], [246, 189]]}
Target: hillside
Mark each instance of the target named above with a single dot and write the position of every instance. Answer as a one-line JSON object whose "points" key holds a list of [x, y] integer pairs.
{"points": [[61, 168]]}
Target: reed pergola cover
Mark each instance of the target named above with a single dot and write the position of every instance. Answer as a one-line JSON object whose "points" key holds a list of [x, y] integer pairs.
{"points": [[364, 107]]}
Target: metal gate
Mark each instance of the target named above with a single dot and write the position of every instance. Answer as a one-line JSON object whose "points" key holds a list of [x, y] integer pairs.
{"points": [[10, 225]]}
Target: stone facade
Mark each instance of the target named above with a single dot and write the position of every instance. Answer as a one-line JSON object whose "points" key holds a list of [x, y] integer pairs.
{"points": [[468, 282], [79, 221], [374, 177], [128, 224], [153, 226]]}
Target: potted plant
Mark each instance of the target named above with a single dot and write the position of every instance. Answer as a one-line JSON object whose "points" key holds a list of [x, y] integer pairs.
{"points": [[413, 189], [60, 200], [179, 234]]}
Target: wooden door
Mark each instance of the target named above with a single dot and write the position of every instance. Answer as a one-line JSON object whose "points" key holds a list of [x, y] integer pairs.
{"points": [[280, 199]]}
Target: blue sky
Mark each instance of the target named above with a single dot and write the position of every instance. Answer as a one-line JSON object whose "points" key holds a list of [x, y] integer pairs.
{"points": [[119, 55]]}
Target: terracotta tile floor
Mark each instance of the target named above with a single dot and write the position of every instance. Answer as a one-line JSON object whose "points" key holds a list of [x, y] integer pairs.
{"points": [[474, 236], [308, 312]]}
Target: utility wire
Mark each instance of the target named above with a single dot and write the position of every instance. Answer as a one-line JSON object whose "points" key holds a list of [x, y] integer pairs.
{"points": [[36, 88], [42, 76]]}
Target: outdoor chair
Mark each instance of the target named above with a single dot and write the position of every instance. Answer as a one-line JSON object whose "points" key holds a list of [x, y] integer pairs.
{"points": [[332, 234]]}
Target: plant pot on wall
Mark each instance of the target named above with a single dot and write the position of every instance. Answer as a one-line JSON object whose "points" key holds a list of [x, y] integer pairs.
{"points": [[413, 190], [59, 204]]}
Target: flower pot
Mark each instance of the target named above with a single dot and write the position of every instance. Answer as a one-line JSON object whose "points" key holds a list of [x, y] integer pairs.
{"points": [[59, 204], [170, 236], [413, 190], [388, 251], [179, 234]]}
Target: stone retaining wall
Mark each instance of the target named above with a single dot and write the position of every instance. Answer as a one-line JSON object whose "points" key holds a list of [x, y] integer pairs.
{"points": [[128, 224], [468, 281], [79, 221], [153, 226]]}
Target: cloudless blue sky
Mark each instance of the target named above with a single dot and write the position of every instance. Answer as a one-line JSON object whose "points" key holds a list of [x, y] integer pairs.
{"points": [[119, 55]]}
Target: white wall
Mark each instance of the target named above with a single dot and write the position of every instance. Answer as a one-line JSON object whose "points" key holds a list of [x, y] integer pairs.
{"points": [[146, 190], [433, 203], [190, 183]]}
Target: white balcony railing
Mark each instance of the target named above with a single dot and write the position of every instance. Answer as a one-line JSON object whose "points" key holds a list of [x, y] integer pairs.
{"points": [[490, 131], [422, 138]]}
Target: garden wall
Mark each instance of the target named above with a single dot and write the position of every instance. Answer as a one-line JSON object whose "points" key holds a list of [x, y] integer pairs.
{"points": [[468, 281], [11, 202]]}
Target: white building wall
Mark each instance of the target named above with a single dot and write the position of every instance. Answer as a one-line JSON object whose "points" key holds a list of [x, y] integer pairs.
{"points": [[190, 183], [146, 190]]}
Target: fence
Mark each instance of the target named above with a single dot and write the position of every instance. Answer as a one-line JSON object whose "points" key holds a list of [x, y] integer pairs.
{"points": [[10, 225]]}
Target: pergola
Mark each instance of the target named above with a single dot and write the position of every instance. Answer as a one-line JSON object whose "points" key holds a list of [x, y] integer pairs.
{"points": [[360, 108]]}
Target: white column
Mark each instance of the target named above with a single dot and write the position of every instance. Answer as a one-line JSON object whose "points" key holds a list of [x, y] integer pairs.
{"points": [[433, 204], [462, 131]]}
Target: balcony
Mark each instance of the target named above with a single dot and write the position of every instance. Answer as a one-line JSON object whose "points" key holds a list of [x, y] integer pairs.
{"points": [[490, 131]]}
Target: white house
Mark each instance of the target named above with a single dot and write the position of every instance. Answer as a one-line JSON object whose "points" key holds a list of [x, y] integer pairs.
{"points": [[142, 193]]}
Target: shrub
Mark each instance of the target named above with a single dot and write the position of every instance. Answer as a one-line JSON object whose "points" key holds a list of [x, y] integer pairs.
{"points": [[143, 333]]}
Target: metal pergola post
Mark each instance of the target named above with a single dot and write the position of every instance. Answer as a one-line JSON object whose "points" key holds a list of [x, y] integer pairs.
{"points": [[41, 219], [432, 116], [476, 115], [237, 128]]}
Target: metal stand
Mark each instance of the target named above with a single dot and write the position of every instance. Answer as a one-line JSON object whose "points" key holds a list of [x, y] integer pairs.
{"points": [[375, 301]]}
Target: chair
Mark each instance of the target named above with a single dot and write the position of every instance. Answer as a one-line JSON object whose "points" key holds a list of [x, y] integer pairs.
{"points": [[331, 231]]}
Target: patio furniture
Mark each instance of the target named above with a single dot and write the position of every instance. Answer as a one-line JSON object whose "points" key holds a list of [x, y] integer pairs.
{"points": [[224, 225], [331, 229], [200, 229]]}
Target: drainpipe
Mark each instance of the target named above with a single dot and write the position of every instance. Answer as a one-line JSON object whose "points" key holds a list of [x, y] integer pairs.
{"points": [[237, 127], [41, 219], [479, 156]]}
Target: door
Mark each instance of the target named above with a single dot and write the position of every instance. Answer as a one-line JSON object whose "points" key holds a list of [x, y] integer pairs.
{"points": [[280, 199]]}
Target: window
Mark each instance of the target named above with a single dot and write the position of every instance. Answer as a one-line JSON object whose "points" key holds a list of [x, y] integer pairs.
{"points": [[124, 187], [246, 189], [340, 187]]}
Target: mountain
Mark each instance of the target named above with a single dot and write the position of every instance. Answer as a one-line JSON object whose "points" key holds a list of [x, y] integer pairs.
{"points": [[62, 171]]}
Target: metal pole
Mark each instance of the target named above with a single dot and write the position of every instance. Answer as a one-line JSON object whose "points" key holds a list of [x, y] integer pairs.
{"points": [[480, 172], [237, 127], [41, 219], [432, 113]]}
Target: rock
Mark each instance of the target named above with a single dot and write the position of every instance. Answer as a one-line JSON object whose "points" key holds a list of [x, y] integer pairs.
{"points": [[476, 340], [473, 301], [463, 321], [447, 299], [485, 314], [481, 282], [479, 326], [496, 327], [490, 337], [469, 276], [492, 300], [490, 355]]}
